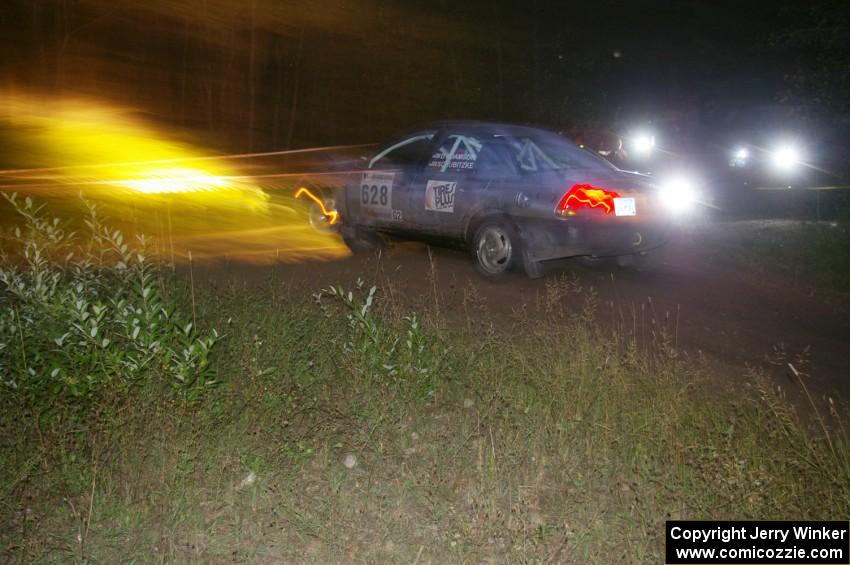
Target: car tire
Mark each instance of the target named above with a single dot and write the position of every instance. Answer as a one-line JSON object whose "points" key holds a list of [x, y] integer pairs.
{"points": [[496, 248]]}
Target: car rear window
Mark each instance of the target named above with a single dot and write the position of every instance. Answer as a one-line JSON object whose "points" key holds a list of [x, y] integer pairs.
{"points": [[540, 151]]}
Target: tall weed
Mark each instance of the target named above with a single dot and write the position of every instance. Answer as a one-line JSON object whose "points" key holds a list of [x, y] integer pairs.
{"points": [[377, 348]]}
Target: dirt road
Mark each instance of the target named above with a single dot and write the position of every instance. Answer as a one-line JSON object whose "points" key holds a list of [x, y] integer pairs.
{"points": [[717, 306]]}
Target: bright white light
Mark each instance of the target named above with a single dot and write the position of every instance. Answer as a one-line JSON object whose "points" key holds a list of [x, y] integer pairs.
{"points": [[742, 154], [678, 195], [642, 144], [785, 157]]}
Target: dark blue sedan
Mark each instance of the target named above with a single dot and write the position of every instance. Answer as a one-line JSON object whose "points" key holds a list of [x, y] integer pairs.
{"points": [[515, 196]]}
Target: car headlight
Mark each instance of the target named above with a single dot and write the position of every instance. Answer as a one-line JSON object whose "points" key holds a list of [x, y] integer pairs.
{"points": [[678, 194]]}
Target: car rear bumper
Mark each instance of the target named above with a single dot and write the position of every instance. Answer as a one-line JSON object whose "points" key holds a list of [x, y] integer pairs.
{"points": [[558, 239]]}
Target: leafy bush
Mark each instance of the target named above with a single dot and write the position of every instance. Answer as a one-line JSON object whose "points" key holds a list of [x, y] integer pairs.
{"points": [[78, 315]]}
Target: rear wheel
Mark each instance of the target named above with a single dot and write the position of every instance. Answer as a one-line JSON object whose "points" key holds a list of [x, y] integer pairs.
{"points": [[495, 248]]}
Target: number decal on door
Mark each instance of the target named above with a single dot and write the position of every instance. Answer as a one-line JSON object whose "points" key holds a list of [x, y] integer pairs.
{"points": [[376, 194]]}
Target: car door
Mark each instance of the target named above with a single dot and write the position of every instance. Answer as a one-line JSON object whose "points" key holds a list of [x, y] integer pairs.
{"points": [[462, 169], [380, 199]]}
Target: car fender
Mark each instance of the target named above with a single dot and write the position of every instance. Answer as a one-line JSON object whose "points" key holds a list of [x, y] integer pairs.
{"points": [[476, 217], [327, 189]]}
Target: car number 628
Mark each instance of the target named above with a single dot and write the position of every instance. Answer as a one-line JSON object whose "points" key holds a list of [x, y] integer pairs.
{"points": [[374, 195]]}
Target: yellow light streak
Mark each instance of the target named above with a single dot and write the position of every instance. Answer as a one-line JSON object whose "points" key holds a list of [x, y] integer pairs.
{"points": [[146, 180]]}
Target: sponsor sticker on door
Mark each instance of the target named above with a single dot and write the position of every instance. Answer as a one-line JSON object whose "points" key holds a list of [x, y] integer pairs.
{"points": [[440, 196]]}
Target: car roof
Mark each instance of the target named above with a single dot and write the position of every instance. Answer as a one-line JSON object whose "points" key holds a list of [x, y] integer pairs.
{"points": [[506, 127]]}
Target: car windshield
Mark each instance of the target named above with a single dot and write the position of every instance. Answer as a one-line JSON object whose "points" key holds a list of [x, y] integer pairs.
{"points": [[540, 151]]}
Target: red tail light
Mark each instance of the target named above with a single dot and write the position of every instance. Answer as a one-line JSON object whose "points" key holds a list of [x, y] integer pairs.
{"points": [[586, 196]]}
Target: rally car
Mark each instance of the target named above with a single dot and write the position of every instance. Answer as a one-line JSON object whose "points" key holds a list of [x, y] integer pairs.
{"points": [[515, 196]]}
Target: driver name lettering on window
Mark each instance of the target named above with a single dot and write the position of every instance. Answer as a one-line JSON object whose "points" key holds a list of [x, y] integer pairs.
{"points": [[458, 153]]}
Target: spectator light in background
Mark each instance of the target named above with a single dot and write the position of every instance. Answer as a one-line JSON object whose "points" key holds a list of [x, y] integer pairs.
{"points": [[740, 157], [785, 157], [642, 144]]}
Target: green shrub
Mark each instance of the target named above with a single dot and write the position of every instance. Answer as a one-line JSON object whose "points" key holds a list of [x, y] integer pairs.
{"points": [[81, 314]]}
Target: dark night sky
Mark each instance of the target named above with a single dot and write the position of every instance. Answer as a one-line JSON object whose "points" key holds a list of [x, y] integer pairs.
{"points": [[265, 73]]}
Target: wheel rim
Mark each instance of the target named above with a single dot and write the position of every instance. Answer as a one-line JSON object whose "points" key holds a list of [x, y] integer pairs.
{"points": [[494, 250], [316, 218]]}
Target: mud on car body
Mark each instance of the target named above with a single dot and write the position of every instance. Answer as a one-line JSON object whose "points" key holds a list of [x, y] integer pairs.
{"points": [[515, 196]]}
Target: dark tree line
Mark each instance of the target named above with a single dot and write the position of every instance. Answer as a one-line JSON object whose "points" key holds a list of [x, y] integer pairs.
{"points": [[267, 73]]}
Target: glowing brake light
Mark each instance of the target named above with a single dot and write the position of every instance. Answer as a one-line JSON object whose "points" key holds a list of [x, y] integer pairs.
{"points": [[586, 196]]}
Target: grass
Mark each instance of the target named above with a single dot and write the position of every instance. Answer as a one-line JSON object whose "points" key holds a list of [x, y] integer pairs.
{"points": [[554, 440]]}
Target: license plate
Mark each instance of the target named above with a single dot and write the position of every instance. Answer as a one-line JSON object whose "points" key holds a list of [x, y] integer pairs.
{"points": [[625, 207]]}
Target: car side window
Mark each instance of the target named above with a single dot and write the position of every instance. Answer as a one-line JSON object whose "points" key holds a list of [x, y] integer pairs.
{"points": [[408, 151], [457, 153]]}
